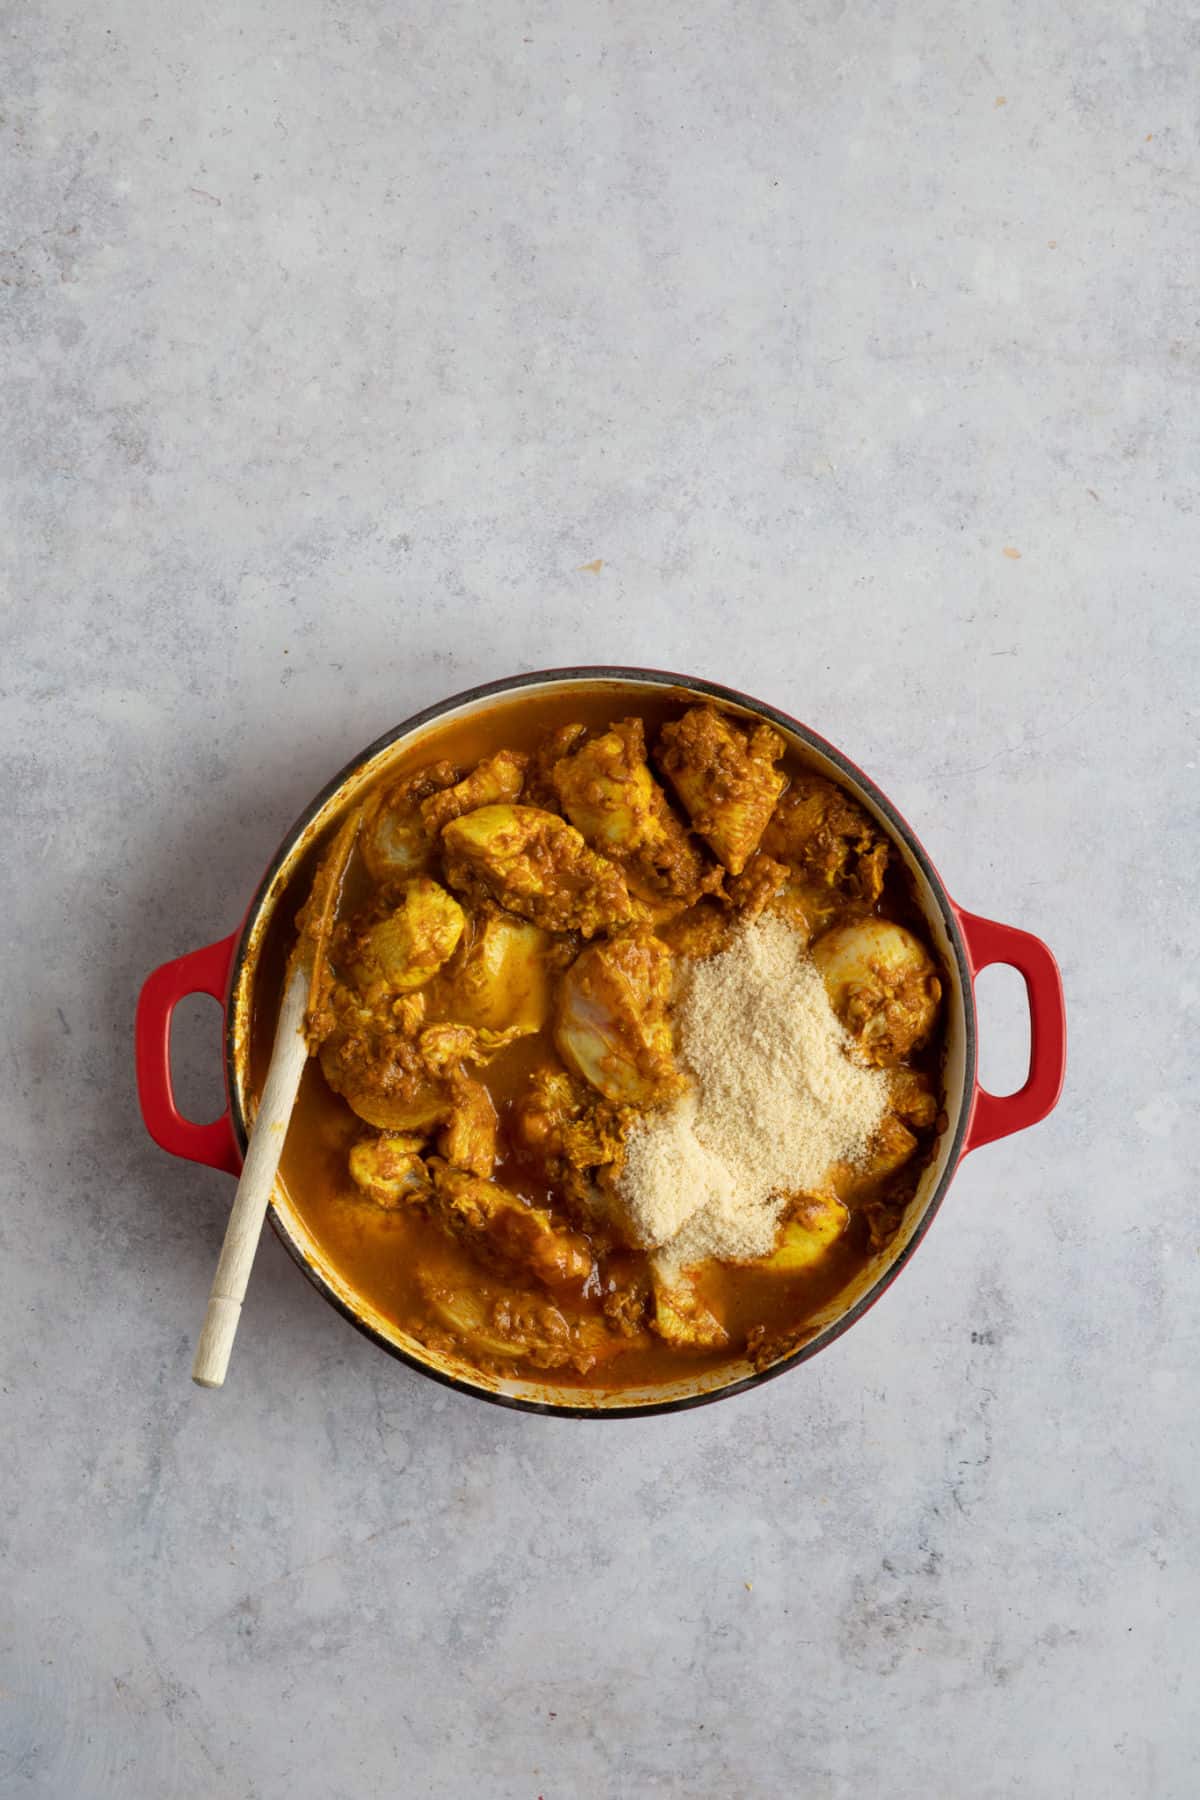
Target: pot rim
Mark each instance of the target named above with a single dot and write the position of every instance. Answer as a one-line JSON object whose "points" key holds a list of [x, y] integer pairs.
{"points": [[655, 678]]}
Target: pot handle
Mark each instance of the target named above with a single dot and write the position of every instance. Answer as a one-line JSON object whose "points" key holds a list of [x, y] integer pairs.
{"points": [[200, 972], [997, 1115]]}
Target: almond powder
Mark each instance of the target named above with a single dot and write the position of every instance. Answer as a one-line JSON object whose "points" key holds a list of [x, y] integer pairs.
{"points": [[774, 1100]]}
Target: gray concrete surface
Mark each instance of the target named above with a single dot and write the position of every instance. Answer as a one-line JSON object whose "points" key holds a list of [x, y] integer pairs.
{"points": [[339, 340]]}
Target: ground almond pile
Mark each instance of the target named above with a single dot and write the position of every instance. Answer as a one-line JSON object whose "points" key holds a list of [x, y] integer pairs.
{"points": [[775, 1100]]}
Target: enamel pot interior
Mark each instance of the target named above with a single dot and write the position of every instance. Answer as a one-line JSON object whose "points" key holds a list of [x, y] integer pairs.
{"points": [[944, 932]]}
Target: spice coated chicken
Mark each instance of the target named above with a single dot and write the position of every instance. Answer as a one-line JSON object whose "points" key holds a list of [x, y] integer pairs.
{"points": [[503, 1018]]}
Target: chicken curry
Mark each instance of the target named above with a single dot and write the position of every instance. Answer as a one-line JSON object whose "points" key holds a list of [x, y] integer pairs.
{"points": [[527, 892]]}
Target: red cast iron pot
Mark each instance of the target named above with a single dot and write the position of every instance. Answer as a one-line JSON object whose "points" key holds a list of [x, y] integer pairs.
{"points": [[966, 943]]}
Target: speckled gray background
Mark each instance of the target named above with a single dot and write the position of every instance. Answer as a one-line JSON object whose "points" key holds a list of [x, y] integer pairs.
{"points": [[340, 338]]}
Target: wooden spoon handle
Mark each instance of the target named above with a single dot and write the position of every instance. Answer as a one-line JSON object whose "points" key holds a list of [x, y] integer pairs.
{"points": [[256, 1184]]}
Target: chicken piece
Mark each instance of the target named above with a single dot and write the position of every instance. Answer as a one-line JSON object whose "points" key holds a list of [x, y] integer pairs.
{"points": [[608, 793], [820, 830], [913, 1098], [381, 1074], [883, 985], [392, 1078], [468, 1139], [469, 1315], [560, 1122], [524, 1327], [444, 1047], [389, 1169], [507, 1230], [813, 1226], [760, 882], [509, 1328], [725, 775], [503, 980], [765, 885], [681, 1317], [536, 865], [575, 1140], [702, 931], [626, 1306], [539, 786], [496, 778], [408, 947], [407, 1014], [892, 1146], [395, 843], [612, 1026]]}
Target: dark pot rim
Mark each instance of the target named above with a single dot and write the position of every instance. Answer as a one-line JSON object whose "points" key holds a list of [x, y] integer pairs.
{"points": [[656, 678]]}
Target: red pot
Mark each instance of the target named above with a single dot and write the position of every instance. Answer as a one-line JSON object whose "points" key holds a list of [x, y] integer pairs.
{"points": [[966, 942]]}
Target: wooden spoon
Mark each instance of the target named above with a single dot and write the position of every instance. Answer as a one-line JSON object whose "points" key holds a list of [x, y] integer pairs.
{"points": [[304, 993]]}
